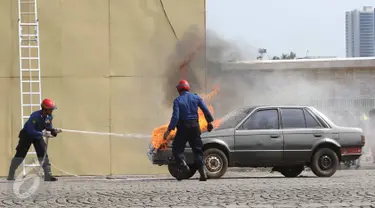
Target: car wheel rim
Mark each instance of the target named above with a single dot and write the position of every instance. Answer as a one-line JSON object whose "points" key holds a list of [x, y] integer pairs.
{"points": [[325, 162], [213, 163]]}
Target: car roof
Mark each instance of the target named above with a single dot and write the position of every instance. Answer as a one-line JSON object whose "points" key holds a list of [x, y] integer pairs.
{"points": [[279, 106]]}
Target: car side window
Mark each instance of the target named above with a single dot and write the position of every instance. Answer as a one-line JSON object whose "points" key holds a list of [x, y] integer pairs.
{"points": [[293, 118], [310, 121], [262, 119]]}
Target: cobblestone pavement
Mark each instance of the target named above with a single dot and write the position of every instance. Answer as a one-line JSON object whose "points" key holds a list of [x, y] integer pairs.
{"points": [[352, 188]]}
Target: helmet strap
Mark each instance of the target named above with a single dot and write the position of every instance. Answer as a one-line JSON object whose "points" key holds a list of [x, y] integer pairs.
{"points": [[44, 111]]}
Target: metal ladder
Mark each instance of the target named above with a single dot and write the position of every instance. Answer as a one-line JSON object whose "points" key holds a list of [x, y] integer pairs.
{"points": [[29, 55]]}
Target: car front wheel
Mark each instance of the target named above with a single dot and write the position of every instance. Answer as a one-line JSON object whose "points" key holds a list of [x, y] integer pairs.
{"points": [[324, 162], [216, 163]]}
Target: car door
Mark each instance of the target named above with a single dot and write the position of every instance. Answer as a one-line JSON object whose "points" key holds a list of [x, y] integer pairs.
{"points": [[259, 139], [301, 130]]}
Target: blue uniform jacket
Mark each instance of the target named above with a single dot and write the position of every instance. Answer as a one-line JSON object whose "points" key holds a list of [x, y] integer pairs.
{"points": [[185, 107], [36, 124]]}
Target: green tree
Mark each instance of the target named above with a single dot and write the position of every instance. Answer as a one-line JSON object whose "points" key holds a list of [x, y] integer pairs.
{"points": [[291, 55]]}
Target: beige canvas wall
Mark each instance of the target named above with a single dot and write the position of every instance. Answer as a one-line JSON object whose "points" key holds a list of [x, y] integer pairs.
{"points": [[103, 62]]}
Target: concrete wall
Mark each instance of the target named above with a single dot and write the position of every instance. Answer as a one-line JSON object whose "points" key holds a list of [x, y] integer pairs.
{"points": [[329, 84], [338, 64], [98, 61]]}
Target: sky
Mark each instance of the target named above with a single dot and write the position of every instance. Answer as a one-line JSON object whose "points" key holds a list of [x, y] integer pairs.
{"points": [[312, 27]]}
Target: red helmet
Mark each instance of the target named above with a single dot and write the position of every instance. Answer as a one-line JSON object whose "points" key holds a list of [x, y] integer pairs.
{"points": [[183, 85], [48, 104]]}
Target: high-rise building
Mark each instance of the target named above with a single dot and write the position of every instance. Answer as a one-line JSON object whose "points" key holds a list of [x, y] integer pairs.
{"points": [[360, 32]]}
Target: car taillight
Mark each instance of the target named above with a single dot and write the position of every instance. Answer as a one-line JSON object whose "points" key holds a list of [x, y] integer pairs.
{"points": [[363, 139]]}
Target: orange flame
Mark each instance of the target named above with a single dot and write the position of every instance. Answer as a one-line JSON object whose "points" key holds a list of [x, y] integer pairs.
{"points": [[157, 135]]}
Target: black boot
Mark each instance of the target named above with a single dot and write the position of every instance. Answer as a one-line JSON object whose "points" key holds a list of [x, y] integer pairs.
{"points": [[49, 178], [202, 172], [185, 167], [47, 174], [13, 167], [183, 171], [11, 174]]}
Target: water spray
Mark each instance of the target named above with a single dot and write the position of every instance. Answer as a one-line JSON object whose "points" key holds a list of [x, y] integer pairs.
{"points": [[140, 136]]}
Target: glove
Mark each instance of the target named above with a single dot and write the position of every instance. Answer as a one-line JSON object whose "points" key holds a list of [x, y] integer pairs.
{"points": [[47, 134], [166, 134], [54, 132], [210, 127], [58, 130]]}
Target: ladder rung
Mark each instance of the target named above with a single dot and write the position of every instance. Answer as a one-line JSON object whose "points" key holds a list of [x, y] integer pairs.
{"points": [[30, 81], [24, 46], [28, 24], [25, 117], [32, 70], [31, 93], [30, 105], [24, 39], [27, 2], [29, 35], [29, 58], [32, 165], [31, 153], [28, 13]]}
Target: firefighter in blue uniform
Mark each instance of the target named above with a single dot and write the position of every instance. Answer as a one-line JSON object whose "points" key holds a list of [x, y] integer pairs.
{"points": [[32, 133], [185, 118]]}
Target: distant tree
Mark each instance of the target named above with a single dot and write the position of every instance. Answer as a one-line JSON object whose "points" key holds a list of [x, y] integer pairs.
{"points": [[291, 55], [284, 56]]}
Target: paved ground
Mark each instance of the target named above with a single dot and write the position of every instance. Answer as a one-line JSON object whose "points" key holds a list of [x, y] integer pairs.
{"points": [[352, 188]]}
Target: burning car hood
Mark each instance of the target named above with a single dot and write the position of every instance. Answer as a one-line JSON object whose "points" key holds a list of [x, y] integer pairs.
{"points": [[218, 133]]}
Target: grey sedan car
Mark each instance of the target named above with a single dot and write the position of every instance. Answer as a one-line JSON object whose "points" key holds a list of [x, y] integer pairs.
{"points": [[286, 138]]}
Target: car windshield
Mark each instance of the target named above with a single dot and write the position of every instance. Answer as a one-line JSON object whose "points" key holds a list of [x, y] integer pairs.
{"points": [[231, 119]]}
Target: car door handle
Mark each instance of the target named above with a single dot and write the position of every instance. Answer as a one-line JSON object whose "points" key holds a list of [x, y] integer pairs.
{"points": [[275, 136], [317, 135]]}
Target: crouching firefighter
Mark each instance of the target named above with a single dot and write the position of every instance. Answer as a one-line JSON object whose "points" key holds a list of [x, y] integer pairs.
{"points": [[32, 133], [185, 118]]}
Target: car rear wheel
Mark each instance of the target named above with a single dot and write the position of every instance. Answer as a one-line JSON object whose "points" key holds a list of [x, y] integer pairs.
{"points": [[324, 162], [291, 172], [216, 163], [173, 170]]}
